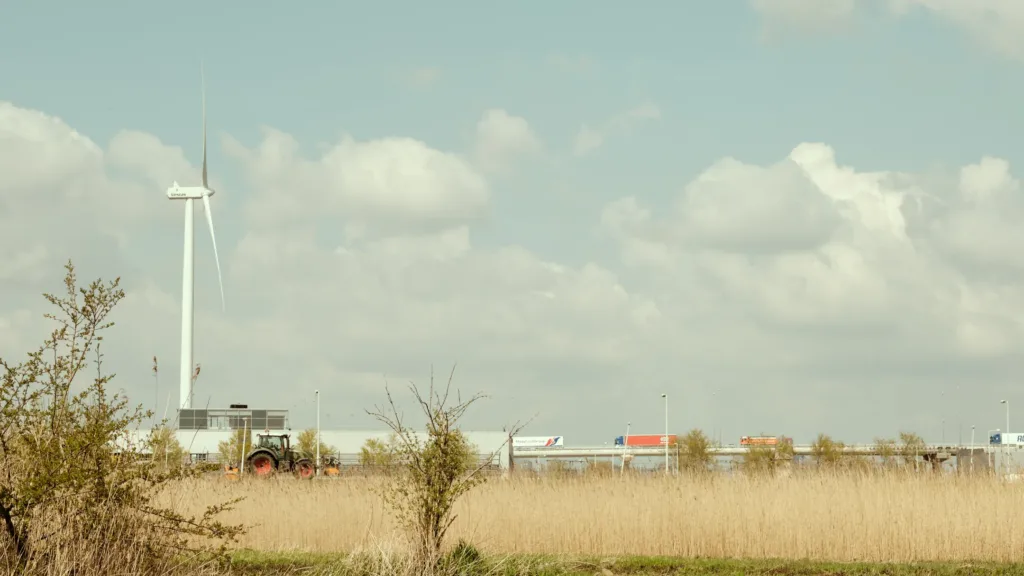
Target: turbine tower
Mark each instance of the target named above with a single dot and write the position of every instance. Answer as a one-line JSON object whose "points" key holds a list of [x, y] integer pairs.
{"points": [[188, 194]]}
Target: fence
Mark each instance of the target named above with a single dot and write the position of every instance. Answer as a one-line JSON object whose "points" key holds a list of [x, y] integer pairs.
{"points": [[347, 463]]}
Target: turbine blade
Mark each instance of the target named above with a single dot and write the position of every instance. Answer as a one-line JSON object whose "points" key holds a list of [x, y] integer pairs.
{"points": [[202, 79], [216, 257]]}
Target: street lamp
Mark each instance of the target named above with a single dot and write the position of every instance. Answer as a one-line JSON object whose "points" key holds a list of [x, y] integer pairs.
{"points": [[1006, 449], [625, 443], [317, 432], [972, 449], [665, 396], [992, 451], [241, 460]]}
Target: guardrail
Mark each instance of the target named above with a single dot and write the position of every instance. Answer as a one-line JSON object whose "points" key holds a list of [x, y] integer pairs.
{"points": [[929, 450]]}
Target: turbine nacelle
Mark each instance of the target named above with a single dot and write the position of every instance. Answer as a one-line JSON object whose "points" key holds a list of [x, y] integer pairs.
{"points": [[176, 192]]}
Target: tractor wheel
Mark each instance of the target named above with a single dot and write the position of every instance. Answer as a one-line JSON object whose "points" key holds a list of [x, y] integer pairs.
{"points": [[262, 465], [304, 469]]}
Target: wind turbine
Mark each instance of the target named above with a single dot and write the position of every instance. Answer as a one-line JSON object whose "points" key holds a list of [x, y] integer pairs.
{"points": [[188, 194]]}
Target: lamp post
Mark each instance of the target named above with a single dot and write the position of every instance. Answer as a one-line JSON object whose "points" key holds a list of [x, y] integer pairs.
{"points": [[625, 443], [241, 459], [1006, 447], [972, 449], [665, 396], [317, 432], [992, 451]]}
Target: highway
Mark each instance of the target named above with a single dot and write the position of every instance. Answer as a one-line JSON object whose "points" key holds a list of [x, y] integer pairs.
{"points": [[944, 451]]}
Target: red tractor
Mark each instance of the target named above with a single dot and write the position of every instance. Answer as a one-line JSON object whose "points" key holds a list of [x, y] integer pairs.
{"points": [[273, 453]]}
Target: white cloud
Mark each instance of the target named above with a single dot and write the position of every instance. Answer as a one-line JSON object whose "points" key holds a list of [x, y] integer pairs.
{"points": [[590, 138], [734, 207], [502, 139], [814, 296], [382, 184], [58, 186], [812, 246], [998, 25], [805, 15]]}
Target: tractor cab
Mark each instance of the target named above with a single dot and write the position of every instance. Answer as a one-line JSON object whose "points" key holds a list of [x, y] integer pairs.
{"points": [[278, 443]]}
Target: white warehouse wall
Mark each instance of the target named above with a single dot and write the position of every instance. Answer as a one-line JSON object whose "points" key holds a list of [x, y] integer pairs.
{"points": [[345, 441]]}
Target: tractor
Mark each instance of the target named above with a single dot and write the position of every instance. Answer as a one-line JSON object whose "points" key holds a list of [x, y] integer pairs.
{"points": [[273, 453]]}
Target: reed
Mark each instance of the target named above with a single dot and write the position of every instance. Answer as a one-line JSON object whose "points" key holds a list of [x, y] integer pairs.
{"points": [[836, 516]]}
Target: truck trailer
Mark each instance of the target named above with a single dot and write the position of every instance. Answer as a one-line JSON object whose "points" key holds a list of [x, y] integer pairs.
{"points": [[645, 440]]}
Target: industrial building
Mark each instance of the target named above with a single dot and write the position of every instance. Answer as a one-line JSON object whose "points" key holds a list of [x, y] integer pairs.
{"points": [[199, 431]]}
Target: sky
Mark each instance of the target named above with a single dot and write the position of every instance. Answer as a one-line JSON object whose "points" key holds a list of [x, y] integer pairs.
{"points": [[792, 217]]}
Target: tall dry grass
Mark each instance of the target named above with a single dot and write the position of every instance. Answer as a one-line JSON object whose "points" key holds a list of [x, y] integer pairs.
{"points": [[840, 517]]}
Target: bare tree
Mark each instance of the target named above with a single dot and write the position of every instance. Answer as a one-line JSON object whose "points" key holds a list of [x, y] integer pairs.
{"points": [[430, 473]]}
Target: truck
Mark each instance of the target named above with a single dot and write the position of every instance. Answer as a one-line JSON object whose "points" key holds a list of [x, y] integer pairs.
{"points": [[764, 440], [646, 440]]}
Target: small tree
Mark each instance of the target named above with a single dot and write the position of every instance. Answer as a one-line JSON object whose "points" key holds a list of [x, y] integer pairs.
{"points": [[911, 447], [73, 482], [378, 454], [760, 460], [827, 453], [887, 451], [432, 472], [167, 452], [305, 443], [233, 450], [695, 452], [784, 449]]}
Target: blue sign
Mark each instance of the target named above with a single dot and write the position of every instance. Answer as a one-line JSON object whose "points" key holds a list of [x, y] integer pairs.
{"points": [[1007, 439]]}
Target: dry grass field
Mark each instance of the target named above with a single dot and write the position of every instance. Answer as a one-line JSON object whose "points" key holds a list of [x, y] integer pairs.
{"points": [[838, 517]]}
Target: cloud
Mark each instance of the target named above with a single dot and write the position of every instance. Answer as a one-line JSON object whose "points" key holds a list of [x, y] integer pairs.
{"points": [[738, 208], [814, 296], [590, 138], [58, 185], [374, 186], [779, 16], [998, 25], [502, 139], [824, 253]]}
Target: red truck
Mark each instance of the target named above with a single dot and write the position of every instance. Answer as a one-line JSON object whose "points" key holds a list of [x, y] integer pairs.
{"points": [[646, 440]]}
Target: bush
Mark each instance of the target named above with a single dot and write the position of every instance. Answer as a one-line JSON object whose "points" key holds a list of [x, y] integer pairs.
{"points": [[695, 452], [233, 451], [305, 445], [378, 455], [75, 489], [827, 452], [167, 453], [430, 474]]}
